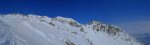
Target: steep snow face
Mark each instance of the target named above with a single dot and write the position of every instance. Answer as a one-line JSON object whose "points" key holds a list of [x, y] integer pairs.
{"points": [[17, 29]]}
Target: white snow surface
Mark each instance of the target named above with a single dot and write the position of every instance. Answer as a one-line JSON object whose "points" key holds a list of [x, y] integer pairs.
{"points": [[18, 29]]}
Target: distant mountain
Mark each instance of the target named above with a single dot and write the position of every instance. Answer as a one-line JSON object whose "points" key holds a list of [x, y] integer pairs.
{"points": [[18, 29], [144, 38]]}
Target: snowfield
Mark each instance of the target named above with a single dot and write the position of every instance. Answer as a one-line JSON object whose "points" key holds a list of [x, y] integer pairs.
{"points": [[18, 29]]}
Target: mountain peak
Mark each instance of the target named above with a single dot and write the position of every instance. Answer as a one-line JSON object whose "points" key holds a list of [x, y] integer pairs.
{"points": [[59, 18], [95, 22]]}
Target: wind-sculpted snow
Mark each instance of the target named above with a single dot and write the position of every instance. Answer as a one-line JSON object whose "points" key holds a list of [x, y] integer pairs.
{"points": [[18, 29]]}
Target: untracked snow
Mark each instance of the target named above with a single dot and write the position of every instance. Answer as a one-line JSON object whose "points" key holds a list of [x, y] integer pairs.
{"points": [[18, 29]]}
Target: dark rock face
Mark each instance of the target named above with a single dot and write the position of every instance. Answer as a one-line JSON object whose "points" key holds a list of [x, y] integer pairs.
{"points": [[110, 29]]}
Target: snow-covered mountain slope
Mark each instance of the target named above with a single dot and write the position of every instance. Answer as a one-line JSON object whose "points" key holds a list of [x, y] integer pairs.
{"points": [[17, 29]]}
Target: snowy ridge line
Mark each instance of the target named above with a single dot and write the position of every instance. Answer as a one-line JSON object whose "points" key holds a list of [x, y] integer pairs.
{"points": [[66, 20], [41, 30]]}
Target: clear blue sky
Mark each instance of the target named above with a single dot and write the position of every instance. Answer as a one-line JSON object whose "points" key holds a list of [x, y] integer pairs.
{"points": [[108, 11], [117, 12]]}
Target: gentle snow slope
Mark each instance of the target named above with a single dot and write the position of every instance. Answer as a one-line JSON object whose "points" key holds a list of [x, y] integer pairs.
{"points": [[17, 29]]}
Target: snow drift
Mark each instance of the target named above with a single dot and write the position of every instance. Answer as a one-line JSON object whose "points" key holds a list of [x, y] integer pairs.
{"points": [[18, 29]]}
